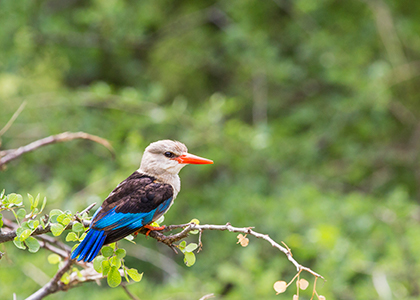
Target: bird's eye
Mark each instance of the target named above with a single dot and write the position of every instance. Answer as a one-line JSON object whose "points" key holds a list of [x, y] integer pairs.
{"points": [[169, 154]]}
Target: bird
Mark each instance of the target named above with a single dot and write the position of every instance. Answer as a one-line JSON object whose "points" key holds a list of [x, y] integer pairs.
{"points": [[140, 199]]}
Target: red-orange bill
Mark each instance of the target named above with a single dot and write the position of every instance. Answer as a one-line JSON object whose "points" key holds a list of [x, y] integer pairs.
{"points": [[192, 159]]}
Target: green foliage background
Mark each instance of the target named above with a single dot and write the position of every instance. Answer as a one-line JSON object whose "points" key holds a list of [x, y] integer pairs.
{"points": [[310, 110]]}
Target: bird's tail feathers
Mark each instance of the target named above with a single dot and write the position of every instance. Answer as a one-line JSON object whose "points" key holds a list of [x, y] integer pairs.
{"points": [[90, 246]]}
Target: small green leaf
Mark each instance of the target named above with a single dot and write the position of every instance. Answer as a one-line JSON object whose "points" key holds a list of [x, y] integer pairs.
{"points": [[61, 217], [1, 220], [43, 204], [120, 253], [65, 278], [31, 199], [114, 277], [183, 244], [191, 247], [33, 244], [25, 234], [56, 229], [71, 237], [105, 267], [2, 194], [97, 263], [15, 199], [189, 259], [134, 274], [74, 247], [115, 261], [77, 227], [160, 220], [35, 224], [54, 259], [36, 201], [194, 231], [55, 212], [42, 223], [107, 251], [19, 243], [66, 221]]}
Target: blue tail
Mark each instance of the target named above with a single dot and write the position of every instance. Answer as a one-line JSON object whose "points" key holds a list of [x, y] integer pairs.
{"points": [[90, 246]]}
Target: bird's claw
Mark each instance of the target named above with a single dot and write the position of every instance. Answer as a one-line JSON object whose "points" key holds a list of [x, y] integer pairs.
{"points": [[153, 228]]}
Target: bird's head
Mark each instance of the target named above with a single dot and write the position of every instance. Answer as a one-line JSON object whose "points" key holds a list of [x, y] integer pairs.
{"points": [[168, 156]]}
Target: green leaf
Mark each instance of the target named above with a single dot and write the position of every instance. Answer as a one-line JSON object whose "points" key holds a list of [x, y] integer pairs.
{"points": [[2, 194], [107, 251], [35, 224], [78, 227], [66, 221], [194, 231], [191, 247], [36, 202], [134, 274], [115, 261], [56, 229], [55, 212], [43, 204], [120, 253], [97, 263], [65, 278], [189, 259], [54, 259], [106, 266], [74, 247], [1, 220], [33, 244], [31, 199], [25, 234], [71, 237], [114, 277], [61, 217], [19, 243], [15, 199]]}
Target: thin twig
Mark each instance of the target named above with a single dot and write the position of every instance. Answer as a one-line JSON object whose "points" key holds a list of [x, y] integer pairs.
{"points": [[208, 296], [53, 285], [131, 295], [13, 118], [11, 154]]}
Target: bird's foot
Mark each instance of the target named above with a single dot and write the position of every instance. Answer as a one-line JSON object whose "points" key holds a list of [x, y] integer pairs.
{"points": [[153, 228]]}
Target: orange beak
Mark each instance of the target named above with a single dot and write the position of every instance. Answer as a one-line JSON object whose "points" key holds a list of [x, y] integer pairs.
{"points": [[192, 159]]}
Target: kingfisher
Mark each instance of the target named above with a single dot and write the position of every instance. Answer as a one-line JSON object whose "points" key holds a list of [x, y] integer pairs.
{"points": [[140, 199]]}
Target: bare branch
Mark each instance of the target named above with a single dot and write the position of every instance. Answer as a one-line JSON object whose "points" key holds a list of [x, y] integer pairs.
{"points": [[11, 154], [169, 240], [54, 285], [208, 296]]}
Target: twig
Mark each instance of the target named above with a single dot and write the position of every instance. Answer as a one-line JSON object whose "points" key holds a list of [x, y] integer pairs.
{"points": [[131, 295], [169, 240], [13, 118], [208, 296], [11, 154], [10, 235], [54, 285]]}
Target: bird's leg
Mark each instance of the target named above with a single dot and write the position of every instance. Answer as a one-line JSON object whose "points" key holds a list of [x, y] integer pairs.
{"points": [[152, 228]]}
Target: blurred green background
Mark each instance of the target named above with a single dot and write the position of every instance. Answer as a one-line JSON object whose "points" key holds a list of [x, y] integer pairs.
{"points": [[309, 109]]}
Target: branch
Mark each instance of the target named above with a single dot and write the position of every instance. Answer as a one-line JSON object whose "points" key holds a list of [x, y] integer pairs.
{"points": [[11, 154], [53, 285], [13, 118], [170, 239]]}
